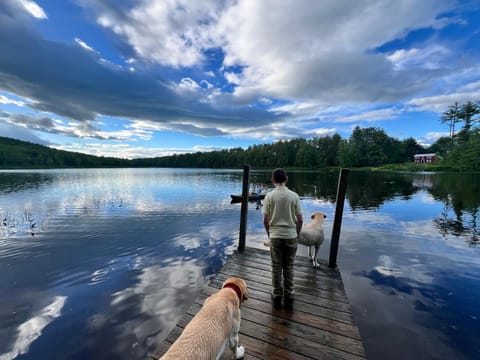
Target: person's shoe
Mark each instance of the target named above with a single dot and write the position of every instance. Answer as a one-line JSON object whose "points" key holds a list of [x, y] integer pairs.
{"points": [[277, 302], [288, 304]]}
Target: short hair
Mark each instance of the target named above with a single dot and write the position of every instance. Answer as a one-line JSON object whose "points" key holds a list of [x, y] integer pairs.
{"points": [[279, 175]]}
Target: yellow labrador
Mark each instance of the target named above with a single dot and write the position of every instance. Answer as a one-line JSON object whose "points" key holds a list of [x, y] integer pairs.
{"points": [[214, 328], [312, 235]]}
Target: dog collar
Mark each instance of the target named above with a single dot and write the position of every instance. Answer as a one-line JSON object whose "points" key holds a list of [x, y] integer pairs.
{"points": [[237, 291]]}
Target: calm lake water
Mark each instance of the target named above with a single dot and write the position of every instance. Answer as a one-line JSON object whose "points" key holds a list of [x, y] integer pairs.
{"points": [[101, 263]]}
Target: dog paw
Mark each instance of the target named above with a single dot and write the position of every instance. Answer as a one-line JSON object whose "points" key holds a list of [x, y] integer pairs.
{"points": [[240, 353]]}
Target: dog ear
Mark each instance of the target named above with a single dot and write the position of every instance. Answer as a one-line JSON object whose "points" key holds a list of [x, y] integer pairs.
{"points": [[243, 285]]}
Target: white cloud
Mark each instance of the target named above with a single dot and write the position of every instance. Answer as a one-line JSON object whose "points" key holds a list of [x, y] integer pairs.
{"points": [[431, 58], [296, 108], [470, 87], [430, 137], [297, 75], [77, 129], [5, 100], [324, 131], [125, 151], [206, 84], [33, 9], [440, 103], [324, 52], [371, 116], [84, 45], [170, 32], [188, 84]]}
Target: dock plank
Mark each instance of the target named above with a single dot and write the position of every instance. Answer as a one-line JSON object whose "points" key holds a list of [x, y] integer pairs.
{"points": [[321, 326]]}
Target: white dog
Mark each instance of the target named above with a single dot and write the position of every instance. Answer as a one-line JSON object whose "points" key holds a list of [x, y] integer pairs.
{"points": [[214, 328], [312, 236]]}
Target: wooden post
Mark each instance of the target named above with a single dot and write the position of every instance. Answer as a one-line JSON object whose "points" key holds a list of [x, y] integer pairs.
{"points": [[244, 208], [337, 222]]}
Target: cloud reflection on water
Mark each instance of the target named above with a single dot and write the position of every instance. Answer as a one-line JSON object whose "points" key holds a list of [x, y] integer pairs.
{"points": [[32, 329], [145, 312]]}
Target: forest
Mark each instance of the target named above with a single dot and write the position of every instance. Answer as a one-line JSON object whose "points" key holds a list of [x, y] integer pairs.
{"points": [[366, 147]]}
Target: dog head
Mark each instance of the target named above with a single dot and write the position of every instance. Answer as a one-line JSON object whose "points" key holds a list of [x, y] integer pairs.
{"points": [[240, 287], [318, 217]]}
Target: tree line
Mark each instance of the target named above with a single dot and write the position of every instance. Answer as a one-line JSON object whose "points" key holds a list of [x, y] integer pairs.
{"points": [[461, 149], [16, 154], [366, 147]]}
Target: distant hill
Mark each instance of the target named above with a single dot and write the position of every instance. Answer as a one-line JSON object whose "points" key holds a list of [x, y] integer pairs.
{"points": [[17, 154]]}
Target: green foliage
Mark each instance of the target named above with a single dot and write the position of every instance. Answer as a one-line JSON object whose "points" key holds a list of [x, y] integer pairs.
{"points": [[466, 154], [373, 147], [16, 154], [366, 147], [462, 150]]}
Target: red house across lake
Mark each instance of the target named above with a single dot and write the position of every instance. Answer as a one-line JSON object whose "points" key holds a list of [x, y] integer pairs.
{"points": [[424, 158]]}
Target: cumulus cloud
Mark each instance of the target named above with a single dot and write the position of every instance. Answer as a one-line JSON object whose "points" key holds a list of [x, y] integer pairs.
{"points": [[275, 75], [172, 33], [69, 82], [323, 52]]}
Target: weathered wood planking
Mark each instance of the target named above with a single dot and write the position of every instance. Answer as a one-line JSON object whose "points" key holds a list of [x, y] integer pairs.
{"points": [[320, 326]]}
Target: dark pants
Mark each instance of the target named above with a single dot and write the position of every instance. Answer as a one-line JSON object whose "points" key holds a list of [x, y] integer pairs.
{"points": [[283, 253]]}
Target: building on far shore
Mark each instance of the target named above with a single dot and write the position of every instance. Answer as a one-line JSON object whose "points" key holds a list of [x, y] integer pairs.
{"points": [[424, 158]]}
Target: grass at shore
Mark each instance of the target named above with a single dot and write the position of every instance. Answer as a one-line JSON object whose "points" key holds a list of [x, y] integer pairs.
{"points": [[412, 167]]}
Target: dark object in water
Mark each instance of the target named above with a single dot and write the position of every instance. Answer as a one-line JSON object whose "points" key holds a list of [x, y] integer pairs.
{"points": [[251, 197]]}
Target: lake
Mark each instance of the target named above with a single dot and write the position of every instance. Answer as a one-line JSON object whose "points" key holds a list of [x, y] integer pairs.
{"points": [[101, 263]]}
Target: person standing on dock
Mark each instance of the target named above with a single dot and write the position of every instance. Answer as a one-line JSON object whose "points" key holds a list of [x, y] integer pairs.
{"points": [[283, 220]]}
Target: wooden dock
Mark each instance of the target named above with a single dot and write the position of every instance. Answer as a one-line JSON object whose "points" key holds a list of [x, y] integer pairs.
{"points": [[319, 327]]}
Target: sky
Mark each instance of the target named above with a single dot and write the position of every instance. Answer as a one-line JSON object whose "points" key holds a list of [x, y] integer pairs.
{"points": [[146, 78]]}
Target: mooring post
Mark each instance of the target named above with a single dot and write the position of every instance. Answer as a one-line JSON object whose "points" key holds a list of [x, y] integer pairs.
{"points": [[337, 221], [244, 208]]}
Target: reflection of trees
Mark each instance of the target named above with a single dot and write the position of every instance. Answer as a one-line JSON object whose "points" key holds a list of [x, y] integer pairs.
{"points": [[459, 194], [18, 181], [319, 185], [369, 190]]}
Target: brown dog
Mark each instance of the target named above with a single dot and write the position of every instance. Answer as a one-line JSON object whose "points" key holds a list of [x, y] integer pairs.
{"points": [[214, 328]]}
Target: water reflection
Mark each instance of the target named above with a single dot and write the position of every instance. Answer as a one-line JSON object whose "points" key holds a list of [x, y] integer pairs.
{"points": [[23, 180], [32, 329], [370, 191], [131, 248], [460, 195], [41, 198]]}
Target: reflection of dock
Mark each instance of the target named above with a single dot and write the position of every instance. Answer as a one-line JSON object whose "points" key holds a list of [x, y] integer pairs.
{"points": [[423, 181], [319, 327]]}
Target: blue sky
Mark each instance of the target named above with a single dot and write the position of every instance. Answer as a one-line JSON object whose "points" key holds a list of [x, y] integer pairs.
{"points": [[148, 78]]}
